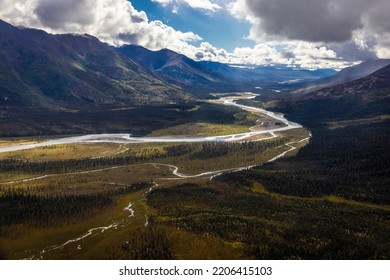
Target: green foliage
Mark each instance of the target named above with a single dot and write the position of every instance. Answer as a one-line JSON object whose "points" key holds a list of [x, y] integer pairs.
{"points": [[143, 243], [211, 150], [141, 153], [245, 118], [219, 149], [179, 150], [132, 188], [20, 207], [275, 226], [352, 162], [59, 166], [138, 121]]}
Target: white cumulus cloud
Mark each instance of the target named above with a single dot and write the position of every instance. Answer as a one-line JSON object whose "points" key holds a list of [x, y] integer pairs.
{"points": [[355, 29], [207, 5], [279, 36], [112, 21]]}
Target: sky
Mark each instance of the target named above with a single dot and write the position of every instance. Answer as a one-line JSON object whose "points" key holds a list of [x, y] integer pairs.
{"points": [[309, 33]]}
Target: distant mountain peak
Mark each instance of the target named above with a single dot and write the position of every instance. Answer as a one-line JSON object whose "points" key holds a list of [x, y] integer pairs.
{"points": [[177, 69]]}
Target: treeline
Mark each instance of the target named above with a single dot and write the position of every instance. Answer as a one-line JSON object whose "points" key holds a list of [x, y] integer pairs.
{"points": [[179, 150], [273, 226], [143, 243], [230, 228], [138, 154], [17, 207], [140, 121], [351, 162], [10, 165], [135, 187], [218, 149], [37, 207]]}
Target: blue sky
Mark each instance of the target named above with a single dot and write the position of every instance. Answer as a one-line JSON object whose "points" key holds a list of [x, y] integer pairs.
{"points": [[220, 29], [310, 33]]}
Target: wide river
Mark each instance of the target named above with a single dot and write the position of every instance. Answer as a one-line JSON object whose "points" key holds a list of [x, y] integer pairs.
{"points": [[127, 138]]}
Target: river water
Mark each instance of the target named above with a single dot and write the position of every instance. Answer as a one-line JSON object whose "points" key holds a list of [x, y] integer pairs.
{"points": [[127, 138]]}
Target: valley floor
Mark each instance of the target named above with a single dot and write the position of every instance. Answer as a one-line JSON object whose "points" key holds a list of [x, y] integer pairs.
{"points": [[160, 197]]}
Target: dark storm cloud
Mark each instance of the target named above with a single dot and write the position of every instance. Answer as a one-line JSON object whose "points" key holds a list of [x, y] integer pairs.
{"points": [[379, 18], [349, 51], [315, 20], [58, 13]]}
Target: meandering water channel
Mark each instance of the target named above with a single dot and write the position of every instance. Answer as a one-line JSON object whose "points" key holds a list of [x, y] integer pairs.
{"points": [[127, 138]]}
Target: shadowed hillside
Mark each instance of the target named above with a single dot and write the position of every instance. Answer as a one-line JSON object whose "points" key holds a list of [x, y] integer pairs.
{"points": [[72, 71]]}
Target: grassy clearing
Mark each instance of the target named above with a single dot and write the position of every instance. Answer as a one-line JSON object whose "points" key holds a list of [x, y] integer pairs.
{"points": [[68, 151], [200, 130], [10, 141]]}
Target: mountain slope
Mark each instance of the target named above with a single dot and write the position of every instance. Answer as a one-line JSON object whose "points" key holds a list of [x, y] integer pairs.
{"points": [[178, 69], [374, 87], [364, 100], [348, 154], [209, 76], [346, 75], [72, 71]]}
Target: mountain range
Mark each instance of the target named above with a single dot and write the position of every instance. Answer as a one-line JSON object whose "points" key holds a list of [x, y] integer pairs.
{"points": [[264, 75], [180, 70], [73, 71], [207, 76]]}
